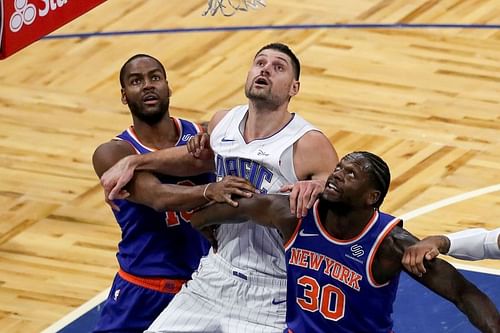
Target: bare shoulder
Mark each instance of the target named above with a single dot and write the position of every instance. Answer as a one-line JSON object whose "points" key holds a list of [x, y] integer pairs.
{"points": [[397, 241], [216, 118], [108, 153], [319, 164], [388, 257]]}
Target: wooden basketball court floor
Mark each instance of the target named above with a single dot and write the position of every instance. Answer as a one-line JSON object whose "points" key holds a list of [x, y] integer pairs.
{"points": [[426, 98]]}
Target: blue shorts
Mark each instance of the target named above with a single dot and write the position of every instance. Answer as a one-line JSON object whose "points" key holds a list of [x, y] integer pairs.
{"points": [[130, 308]]}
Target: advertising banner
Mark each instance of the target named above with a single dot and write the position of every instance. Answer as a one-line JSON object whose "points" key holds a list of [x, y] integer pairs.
{"points": [[26, 21]]}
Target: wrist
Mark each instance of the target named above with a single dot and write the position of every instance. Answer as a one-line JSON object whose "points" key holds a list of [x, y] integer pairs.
{"points": [[205, 195], [444, 244]]}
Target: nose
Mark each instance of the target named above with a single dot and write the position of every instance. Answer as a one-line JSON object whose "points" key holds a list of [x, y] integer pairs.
{"points": [[265, 69], [148, 83], [338, 174]]}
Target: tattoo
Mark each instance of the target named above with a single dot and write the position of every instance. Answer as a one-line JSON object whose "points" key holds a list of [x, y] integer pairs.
{"points": [[230, 7]]}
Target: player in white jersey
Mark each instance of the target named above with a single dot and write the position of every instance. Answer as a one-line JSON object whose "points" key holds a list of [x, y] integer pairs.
{"points": [[242, 287]]}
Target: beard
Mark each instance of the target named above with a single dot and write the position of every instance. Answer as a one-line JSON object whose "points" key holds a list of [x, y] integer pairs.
{"points": [[149, 117], [263, 97], [339, 207]]}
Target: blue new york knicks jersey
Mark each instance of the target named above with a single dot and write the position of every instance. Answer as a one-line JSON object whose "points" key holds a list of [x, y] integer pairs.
{"points": [[330, 283], [160, 243]]}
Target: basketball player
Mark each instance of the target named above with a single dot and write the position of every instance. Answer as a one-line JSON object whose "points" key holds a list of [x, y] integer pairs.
{"points": [[344, 258], [469, 244], [159, 250], [242, 287]]}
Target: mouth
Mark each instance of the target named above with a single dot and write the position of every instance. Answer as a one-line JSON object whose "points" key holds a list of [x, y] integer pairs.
{"points": [[150, 99], [332, 187], [261, 81]]}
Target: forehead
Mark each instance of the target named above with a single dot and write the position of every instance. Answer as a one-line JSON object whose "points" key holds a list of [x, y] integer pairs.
{"points": [[143, 64], [355, 161], [274, 54]]}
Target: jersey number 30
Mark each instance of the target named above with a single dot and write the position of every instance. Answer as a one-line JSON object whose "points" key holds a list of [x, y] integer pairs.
{"points": [[329, 300]]}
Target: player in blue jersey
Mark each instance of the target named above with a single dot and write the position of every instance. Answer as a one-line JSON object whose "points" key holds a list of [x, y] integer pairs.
{"points": [[159, 249], [344, 257]]}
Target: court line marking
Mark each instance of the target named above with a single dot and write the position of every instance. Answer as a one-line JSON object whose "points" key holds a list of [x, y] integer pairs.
{"points": [[277, 27], [78, 312], [449, 201], [99, 298]]}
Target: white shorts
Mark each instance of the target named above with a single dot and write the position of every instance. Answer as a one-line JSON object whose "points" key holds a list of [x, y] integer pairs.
{"points": [[221, 298]]}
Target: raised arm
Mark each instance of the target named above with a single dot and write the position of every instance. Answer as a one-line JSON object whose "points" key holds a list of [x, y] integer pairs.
{"points": [[314, 159], [146, 189], [172, 161], [269, 210], [176, 161], [442, 278]]}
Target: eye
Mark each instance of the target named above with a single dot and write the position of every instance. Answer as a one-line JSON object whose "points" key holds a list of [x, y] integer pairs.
{"points": [[156, 78], [280, 68], [135, 81]]}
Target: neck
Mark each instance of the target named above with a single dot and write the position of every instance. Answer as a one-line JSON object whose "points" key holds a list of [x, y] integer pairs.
{"points": [[163, 134], [264, 120], [342, 221]]}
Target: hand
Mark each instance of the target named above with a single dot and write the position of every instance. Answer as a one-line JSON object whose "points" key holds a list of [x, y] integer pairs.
{"points": [[427, 248], [116, 177], [302, 195], [199, 146], [223, 190], [209, 233]]}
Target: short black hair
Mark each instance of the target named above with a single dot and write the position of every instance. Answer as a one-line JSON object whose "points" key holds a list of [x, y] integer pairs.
{"points": [[378, 171], [286, 50], [140, 55]]}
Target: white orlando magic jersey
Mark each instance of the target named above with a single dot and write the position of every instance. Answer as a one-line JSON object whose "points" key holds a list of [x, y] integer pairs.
{"points": [[268, 164]]}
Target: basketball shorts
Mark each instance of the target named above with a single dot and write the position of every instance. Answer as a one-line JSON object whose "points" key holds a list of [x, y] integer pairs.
{"points": [[221, 298], [130, 308]]}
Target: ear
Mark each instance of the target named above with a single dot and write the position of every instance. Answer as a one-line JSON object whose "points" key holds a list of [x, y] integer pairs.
{"points": [[373, 197], [169, 92], [294, 88], [124, 97]]}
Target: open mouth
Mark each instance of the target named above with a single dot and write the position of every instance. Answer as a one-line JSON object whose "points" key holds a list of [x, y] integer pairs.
{"points": [[261, 81], [150, 99], [331, 186]]}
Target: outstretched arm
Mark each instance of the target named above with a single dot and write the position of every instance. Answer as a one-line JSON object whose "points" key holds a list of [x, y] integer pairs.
{"points": [[146, 189], [176, 161], [428, 248], [443, 279], [469, 244], [172, 161], [269, 210]]}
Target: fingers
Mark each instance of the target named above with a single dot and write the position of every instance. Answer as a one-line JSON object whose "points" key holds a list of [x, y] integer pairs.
{"points": [[414, 257], [224, 190], [410, 262], [433, 253], [418, 266], [303, 196], [204, 140], [198, 143], [228, 200], [286, 188], [111, 204]]}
